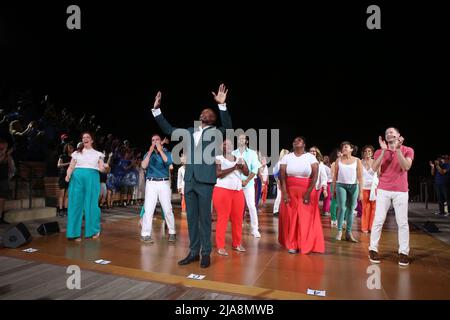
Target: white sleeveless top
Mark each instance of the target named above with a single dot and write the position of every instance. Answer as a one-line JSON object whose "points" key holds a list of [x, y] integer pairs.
{"points": [[347, 173], [368, 176], [231, 181]]}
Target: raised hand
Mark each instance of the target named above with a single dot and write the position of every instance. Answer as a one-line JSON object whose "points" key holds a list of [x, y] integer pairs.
{"points": [[383, 144], [157, 102], [165, 141], [431, 164], [221, 95]]}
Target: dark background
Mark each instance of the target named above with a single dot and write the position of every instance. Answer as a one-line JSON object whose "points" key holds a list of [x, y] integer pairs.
{"points": [[315, 71]]}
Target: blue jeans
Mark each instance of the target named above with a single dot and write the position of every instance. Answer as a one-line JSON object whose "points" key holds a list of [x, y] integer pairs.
{"points": [[442, 196]]}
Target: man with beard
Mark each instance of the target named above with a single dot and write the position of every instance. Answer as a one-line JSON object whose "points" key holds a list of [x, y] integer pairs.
{"points": [[395, 160], [200, 175]]}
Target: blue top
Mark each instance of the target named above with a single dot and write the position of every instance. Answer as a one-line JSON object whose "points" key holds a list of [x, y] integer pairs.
{"points": [[157, 168], [442, 178], [251, 158]]}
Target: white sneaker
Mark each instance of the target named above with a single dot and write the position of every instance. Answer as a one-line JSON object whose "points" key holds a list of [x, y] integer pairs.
{"points": [[256, 234]]}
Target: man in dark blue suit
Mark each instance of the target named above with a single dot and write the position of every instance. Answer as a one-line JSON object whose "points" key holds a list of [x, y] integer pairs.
{"points": [[200, 175]]}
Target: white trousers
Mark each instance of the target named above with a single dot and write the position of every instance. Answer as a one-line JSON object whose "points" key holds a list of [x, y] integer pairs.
{"points": [[276, 205], [154, 191], [249, 194], [399, 201]]}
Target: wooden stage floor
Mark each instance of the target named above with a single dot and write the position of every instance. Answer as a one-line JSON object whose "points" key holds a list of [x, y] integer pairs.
{"points": [[265, 270]]}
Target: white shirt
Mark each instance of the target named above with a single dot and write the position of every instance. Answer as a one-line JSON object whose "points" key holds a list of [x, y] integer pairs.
{"points": [[328, 172], [299, 167], [88, 159], [322, 177], [231, 181], [197, 133], [180, 180], [265, 174]]}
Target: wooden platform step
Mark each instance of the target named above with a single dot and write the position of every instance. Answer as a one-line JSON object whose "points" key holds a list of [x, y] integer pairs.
{"points": [[20, 215], [24, 203]]}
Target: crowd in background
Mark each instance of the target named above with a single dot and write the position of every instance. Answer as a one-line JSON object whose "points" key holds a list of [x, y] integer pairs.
{"points": [[38, 130]]}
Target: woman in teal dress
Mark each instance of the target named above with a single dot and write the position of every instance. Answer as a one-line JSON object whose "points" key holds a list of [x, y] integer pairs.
{"points": [[83, 176]]}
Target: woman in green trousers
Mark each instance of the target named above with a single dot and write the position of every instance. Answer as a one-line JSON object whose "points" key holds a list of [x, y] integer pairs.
{"points": [[83, 176]]}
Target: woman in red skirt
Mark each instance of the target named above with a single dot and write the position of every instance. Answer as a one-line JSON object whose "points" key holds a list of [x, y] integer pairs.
{"points": [[299, 226], [228, 198]]}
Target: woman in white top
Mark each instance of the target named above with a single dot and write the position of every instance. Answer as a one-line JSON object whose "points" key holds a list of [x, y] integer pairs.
{"points": [[228, 198], [347, 183], [370, 180], [180, 184], [276, 174], [264, 173], [322, 179], [299, 225], [84, 190], [333, 205], [327, 199]]}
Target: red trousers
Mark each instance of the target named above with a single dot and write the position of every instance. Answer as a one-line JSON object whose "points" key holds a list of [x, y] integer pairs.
{"points": [[229, 205], [368, 211], [265, 189], [299, 224], [183, 204]]}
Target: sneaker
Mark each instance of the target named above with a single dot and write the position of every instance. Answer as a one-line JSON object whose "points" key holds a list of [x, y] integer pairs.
{"points": [[403, 260], [147, 239], [239, 248], [172, 237], [275, 214], [222, 252], [349, 237], [293, 251], [256, 234], [373, 257], [339, 236]]}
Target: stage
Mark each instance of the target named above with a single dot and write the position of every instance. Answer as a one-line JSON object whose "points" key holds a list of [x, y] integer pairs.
{"points": [[265, 271]]}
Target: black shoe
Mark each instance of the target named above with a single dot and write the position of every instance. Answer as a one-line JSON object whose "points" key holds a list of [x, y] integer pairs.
{"points": [[188, 259], [275, 214], [205, 262]]}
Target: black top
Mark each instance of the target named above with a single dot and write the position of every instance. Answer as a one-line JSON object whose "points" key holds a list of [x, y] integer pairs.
{"points": [[65, 159]]}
